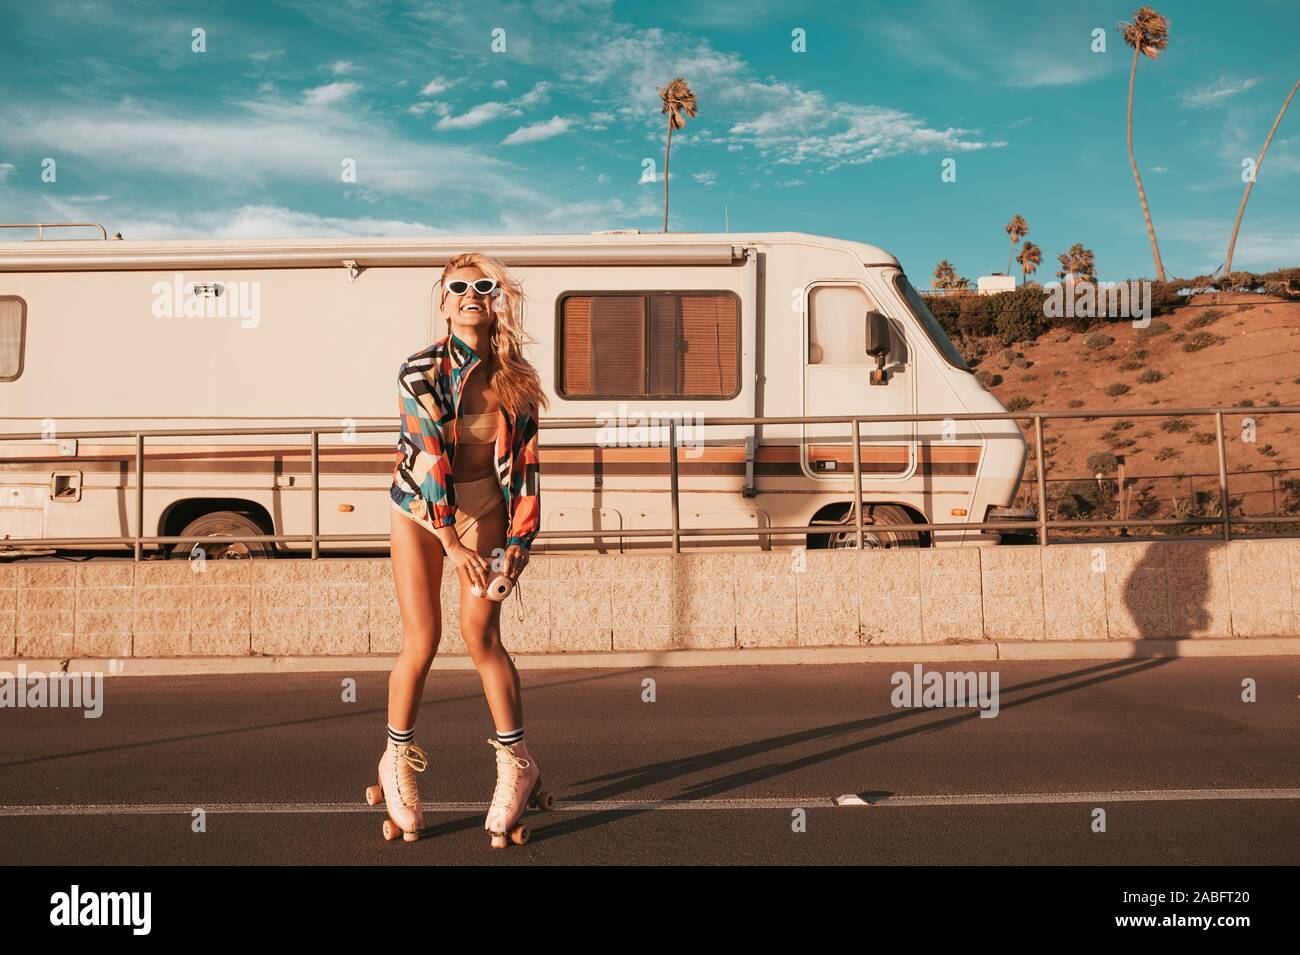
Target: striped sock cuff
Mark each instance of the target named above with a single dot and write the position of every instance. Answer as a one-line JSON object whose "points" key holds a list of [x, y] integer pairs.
{"points": [[510, 737], [400, 736]]}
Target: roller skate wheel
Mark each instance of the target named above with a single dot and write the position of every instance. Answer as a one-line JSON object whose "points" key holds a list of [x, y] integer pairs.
{"points": [[374, 795], [545, 800], [519, 835], [391, 830]]}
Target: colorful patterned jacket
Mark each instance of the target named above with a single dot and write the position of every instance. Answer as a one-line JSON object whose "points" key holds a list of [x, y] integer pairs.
{"points": [[429, 386]]}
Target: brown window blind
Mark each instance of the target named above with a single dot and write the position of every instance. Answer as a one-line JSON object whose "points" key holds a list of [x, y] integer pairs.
{"points": [[657, 344]]}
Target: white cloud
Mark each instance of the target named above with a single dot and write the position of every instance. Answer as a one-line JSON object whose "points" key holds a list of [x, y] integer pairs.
{"points": [[1042, 48], [708, 177], [263, 142], [435, 87], [476, 116], [262, 222], [602, 178], [6, 169], [329, 94], [535, 95], [499, 84], [487, 112], [1211, 94], [794, 126], [785, 122], [344, 67], [555, 126], [1160, 169]]}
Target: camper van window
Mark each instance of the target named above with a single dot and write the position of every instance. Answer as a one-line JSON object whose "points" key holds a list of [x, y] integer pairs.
{"points": [[837, 325], [931, 324], [13, 316], [649, 345]]}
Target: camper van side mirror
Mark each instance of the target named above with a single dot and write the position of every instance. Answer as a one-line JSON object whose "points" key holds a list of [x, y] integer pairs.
{"points": [[878, 344], [877, 335]]}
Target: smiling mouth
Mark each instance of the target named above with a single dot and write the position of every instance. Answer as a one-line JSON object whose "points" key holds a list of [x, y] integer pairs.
{"points": [[474, 308]]}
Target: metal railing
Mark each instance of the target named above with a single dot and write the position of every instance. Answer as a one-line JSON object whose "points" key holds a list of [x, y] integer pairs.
{"points": [[40, 227], [676, 532]]}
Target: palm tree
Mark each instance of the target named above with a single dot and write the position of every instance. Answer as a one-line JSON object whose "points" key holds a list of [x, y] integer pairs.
{"points": [[1232, 243], [1148, 34], [1029, 258], [946, 277], [1016, 228], [1078, 264], [678, 101]]}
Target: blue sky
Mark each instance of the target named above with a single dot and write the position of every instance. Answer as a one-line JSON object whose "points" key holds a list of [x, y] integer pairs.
{"points": [[846, 139]]}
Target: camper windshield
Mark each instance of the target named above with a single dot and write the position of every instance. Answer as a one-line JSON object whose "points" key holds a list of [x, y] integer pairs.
{"points": [[929, 322]]}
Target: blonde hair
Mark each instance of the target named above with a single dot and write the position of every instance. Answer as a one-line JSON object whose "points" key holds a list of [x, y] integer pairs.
{"points": [[516, 383]]}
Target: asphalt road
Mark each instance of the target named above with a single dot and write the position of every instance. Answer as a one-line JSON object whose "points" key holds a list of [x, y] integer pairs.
{"points": [[713, 771]]}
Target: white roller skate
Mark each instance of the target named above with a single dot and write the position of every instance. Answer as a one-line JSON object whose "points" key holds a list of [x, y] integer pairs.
{"points": [[519, 786], [398, 789]]}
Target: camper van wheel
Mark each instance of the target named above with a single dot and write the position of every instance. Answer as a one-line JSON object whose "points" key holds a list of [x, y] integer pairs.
{"points": [[877, 529], [224, 524]]}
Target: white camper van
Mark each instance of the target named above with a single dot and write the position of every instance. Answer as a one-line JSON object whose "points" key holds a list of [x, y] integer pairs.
{"points": [[629, 328]]}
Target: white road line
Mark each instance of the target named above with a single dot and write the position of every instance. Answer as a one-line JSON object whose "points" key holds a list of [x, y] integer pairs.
{"points": [[1051, 799], [606, 805]]}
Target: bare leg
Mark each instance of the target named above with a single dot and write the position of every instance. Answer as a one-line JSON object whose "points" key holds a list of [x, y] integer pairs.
{"points": [[417, 558], [480, 627]]}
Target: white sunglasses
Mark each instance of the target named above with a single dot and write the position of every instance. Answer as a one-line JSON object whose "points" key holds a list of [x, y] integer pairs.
{"points": [[482, 286]]}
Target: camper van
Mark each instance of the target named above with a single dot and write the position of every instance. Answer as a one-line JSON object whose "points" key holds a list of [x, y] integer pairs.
{"points": [[628, 331]]}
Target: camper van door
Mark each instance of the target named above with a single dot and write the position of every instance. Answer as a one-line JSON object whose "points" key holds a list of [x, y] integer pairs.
{"points": [[837, 381]]}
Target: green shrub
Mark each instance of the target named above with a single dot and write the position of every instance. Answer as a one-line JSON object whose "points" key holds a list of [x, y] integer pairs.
{"points": [[1206, 437], [1019, 317], [1246, 403], [1175, 424], [1075, 403], [1149, 377], [1098, 340], [987, 378], [1201, 340], [1102, 462], [1122, 425], [1206, 318], [1117, 389], [1130, 364], [1167, 454], [1019, 403], [1157, 327]]}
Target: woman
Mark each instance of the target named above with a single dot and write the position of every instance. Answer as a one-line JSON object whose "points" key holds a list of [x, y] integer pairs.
{"points": [[465, 489]]}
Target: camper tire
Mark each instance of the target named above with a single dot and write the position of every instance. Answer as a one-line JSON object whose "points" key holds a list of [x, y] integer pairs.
{"points": [[224, 524], [878, 529]]}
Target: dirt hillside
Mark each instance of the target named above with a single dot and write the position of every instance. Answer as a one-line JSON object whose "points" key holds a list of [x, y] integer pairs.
{"points": [[1219, 350]]}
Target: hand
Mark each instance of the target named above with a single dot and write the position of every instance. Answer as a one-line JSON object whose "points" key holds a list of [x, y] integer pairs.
{"points": [[515, 561], [474, 565]]}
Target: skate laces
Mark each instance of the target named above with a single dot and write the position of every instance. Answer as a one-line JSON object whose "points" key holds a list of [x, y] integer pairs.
{"points": [[506, 779], [409, 757]]}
